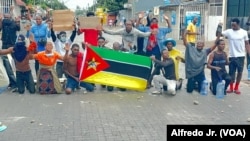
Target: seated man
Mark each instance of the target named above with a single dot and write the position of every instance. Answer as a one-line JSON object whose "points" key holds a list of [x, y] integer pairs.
{"points": [[168, 70]]}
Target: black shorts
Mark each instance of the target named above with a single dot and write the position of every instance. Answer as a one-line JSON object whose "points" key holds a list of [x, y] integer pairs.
{"points": [[236, 63]]}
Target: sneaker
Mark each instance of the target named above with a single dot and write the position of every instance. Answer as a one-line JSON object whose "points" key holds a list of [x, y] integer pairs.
{"points": [[13, 90], [156, 92], [179, 84], [103, 86], [110, 88], [237, 92], [230, 91]]}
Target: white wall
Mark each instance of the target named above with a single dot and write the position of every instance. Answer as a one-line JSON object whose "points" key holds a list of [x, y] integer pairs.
{"points": [[212, 26]]}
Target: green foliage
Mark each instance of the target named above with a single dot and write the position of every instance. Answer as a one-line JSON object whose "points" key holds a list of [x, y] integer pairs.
{"points": [[54, 4], [79, 11], [111, 5]]}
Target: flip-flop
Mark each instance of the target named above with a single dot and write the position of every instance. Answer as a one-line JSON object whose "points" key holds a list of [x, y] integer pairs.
{"points": [[2, 128]]}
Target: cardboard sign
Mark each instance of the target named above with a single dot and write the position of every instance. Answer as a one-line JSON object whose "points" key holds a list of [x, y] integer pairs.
{"points": [[63, 20], [89, 22]]}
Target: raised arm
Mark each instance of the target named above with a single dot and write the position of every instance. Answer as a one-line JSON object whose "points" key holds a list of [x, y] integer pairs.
{"points": [[53, 35], [67, 47], [184, 37], [168, 22], [247, 46], [1, 19], [117, 32], [73, 35], [214, 45], [142, 34]]}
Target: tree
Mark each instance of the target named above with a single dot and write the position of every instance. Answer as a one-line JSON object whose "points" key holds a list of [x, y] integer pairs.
{"points": [[53, 4], [79, 11], [111, 5]]}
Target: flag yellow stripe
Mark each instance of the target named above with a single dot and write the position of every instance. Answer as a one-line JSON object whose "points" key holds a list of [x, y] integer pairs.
{"points": [[118, 80]]}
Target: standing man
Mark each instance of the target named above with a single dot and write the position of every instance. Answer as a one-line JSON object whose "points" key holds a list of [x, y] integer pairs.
{"points": [[9, 29], [238, 45], [90, 35], [192, 31]]}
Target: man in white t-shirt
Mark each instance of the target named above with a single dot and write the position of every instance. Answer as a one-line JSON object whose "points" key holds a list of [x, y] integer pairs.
{"points": [[60, 40], [238, 46]]}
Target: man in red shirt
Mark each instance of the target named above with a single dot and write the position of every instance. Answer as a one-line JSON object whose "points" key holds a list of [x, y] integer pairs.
{"points": [[90, 35]]}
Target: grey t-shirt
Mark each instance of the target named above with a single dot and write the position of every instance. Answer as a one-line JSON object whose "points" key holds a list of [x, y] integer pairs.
{"points": [[195, 60]]}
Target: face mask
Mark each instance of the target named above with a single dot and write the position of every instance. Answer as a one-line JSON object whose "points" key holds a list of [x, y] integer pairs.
{"points": [[6, 21], [20, 44], [23, 21], [63, 39]]}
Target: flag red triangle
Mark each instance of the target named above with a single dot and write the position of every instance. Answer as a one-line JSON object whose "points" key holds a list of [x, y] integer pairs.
{"points": [[89, 63]]}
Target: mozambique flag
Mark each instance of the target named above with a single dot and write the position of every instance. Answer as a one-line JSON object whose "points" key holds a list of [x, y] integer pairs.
{"points": [[89, 63], [125, 70]]}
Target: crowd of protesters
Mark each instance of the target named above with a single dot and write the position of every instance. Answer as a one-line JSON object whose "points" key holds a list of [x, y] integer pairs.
{"points": [[155, 43]]}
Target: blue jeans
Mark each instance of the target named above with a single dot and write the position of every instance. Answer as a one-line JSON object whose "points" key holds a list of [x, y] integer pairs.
{"points": [[3, 89], [9, 71], [25, 78], [73, 84]]}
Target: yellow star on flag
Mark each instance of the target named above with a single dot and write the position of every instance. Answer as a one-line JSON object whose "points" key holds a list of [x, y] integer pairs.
{"points": [[92, 64]]}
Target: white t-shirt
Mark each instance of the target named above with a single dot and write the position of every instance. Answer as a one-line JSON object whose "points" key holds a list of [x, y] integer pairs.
{"points": [[59, 47], [237, 40]]}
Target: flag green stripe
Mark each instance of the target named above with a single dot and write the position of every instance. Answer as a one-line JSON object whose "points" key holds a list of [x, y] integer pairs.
{"points": [[122, 57]]}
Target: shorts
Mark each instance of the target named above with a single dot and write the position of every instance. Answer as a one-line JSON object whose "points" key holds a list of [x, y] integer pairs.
{"points": [[236, 64]]}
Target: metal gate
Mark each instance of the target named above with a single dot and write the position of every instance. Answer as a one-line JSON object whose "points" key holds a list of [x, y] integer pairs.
{"points": [[5, 6], [194, 6]]}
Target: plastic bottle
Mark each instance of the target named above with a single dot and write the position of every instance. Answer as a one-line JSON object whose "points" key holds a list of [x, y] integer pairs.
{"points": [[219, 28], [220, 89], [204, 87], [248, 71]]}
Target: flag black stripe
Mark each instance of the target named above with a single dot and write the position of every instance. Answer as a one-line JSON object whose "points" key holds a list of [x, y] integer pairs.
{"points": [[128, 69]]}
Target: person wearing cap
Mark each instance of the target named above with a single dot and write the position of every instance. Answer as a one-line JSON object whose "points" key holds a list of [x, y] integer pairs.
{"points": [[22, 55], [168, 77], [59, 41], [177, 56]]}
